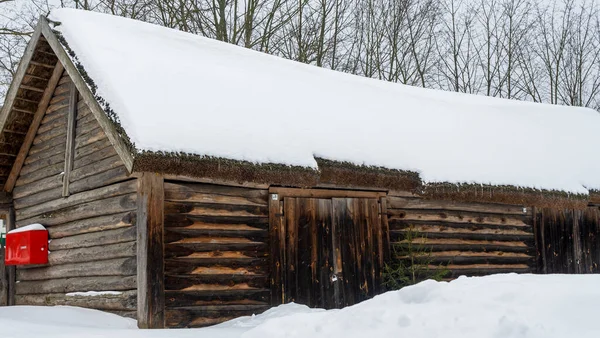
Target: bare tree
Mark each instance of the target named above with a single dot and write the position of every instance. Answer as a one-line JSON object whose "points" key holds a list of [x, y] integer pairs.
{"points": [[580, 71], [456, 47], [519, 49]]}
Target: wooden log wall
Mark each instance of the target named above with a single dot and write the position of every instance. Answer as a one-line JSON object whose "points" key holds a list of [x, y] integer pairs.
{"points": [[568, 240], [216, 253], [93, 240], [3, 280], [469, 239]]}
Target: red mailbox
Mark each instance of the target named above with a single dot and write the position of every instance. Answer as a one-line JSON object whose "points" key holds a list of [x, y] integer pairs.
{"points": [[27, 245]]}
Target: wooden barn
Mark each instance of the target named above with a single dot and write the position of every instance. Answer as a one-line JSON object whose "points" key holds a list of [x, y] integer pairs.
{"points": [[188, 182]]}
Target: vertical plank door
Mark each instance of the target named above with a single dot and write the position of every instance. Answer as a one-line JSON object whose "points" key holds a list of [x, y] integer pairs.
{"points": [[333, 250]]}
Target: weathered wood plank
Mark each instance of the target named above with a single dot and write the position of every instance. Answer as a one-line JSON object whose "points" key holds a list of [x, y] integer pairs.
{"points": [[46, 145], [110, 205], [205, 244], [77, 284], [91, 254], [70, 145], [324, 193], [103, 223], [92, 148], [486, 260], [398, 224], [417, 203], [92, 136], [448, 231], [120, 235], [469, 245], [215, 270], [183, 227], [226, 297], [58, 102], [93, 168], [49, 135], [111, 267], [86, 124], [182, 220], [246, 232], [100, 178], [150, 218], [484, 269], [97, 156], [186, 262], [209, 193], [118, 189], [50, 190], [41, 164], [48, 171], [457, 217], [84, 113], [232, 281], [210, 209], [56, 120], [53, 151], [123, 302]]}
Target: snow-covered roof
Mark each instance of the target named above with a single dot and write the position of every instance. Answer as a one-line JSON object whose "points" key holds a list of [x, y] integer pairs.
{"points": [[178, 92]]}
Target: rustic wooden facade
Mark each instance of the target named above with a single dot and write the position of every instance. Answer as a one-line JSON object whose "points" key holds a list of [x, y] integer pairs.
{"points": [[192, 244]]}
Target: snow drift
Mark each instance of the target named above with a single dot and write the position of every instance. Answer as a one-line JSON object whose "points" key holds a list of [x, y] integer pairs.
{"points": [[498, 306], [178, 92]]}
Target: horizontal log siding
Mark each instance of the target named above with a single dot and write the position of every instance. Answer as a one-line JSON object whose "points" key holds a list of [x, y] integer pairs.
{"points": [[468, 238], [216, 255], [93, 246]]}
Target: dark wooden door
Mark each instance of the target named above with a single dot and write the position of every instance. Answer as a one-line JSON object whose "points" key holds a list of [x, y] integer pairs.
{"points": [[334, 250]]}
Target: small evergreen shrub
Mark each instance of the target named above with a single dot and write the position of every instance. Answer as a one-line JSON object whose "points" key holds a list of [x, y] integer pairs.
{"points": [[411, 263]]}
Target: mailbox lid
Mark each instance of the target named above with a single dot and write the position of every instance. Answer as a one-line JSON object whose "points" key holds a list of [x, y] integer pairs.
{"points": [[27, 245]]}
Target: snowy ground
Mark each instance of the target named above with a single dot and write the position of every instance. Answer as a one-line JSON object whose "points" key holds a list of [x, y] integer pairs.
{"points": [[500, 306]]}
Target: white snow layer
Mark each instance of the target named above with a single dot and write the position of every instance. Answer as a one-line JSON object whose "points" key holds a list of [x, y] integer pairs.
{"points": [[179, 92], [498, 306], [30, 227], [93, 293]]}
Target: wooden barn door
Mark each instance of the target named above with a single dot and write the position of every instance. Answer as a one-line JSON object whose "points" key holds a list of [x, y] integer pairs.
{"points": [[331, 249]]}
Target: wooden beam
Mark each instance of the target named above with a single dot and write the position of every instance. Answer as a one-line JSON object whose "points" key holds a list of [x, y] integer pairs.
{"points": [[18, 77], [18, 110], [385, 228], [150, 252], [577, 243], [37, 119], [277, 251], [324, 193], [34, 89], [542, 230], [87, 95], [70, 147], [190, 179], [12, 272]]}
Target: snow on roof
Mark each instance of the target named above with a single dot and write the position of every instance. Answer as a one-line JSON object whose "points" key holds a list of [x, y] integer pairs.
{"points": [[179, 92]]}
